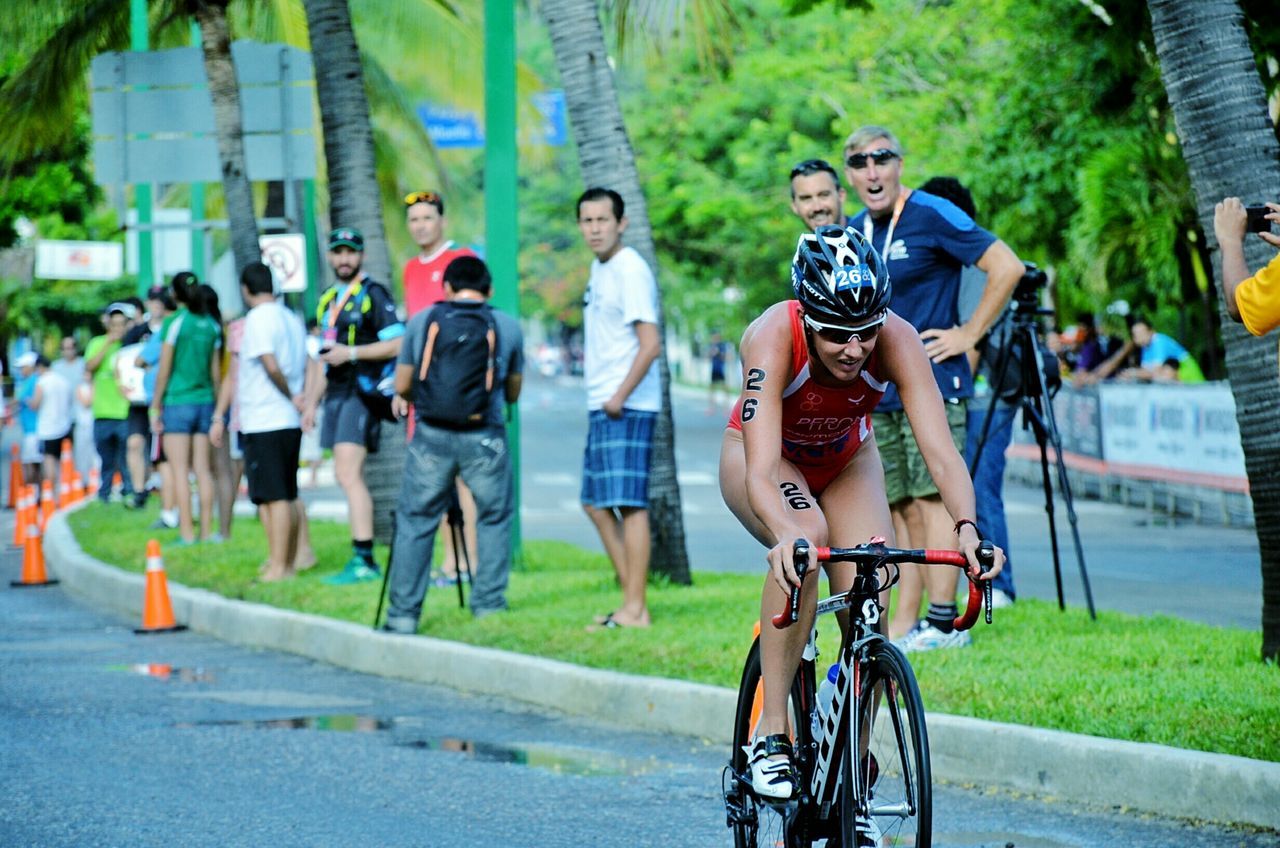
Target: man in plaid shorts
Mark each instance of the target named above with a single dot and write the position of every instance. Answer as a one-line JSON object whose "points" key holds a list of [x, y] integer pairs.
{"points": [[620, 324]]}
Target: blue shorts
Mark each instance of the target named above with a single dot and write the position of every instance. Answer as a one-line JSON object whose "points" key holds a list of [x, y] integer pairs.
{"points": [[186, 419], [615, 464]]}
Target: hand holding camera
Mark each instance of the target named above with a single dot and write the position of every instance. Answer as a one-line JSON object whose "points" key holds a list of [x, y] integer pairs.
{"points": [[1232, 220]]}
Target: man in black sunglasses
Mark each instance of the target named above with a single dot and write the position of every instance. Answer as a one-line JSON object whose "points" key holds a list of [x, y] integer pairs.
{"points": [[925, 241]]}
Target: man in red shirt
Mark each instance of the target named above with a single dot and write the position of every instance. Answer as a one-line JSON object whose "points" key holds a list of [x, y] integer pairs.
{"points": [[424, 273], [423, 288]]}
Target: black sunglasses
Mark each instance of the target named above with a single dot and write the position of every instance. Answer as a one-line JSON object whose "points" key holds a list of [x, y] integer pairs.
{"points": [[836, 334], [883, 156]]}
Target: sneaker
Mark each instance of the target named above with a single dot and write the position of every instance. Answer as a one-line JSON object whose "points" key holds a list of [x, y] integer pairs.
{"points": [[1000, 599], [399, 625], [866, 833], [925, 637], [774, 779], [355, 571]]}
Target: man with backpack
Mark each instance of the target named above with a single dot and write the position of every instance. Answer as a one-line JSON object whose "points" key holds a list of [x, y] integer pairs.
{"points": [[461, 361]]}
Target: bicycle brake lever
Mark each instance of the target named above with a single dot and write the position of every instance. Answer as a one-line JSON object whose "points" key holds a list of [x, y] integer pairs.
{"points": [[800, 559], [986, 558]]}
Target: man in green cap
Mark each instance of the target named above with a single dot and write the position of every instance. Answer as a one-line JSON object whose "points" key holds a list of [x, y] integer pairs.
{"points": [[361, 335]]}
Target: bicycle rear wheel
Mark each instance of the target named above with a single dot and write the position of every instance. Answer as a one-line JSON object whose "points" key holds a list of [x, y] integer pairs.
{"points": [[755, 823], [892, 783]]}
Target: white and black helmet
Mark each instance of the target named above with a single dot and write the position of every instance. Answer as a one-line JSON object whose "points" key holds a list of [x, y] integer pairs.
{"points": [[839, 277]]}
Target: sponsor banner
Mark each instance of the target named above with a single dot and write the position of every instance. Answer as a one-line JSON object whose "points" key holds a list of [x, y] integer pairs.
{"points": [[1182, 428], [79, 260]]}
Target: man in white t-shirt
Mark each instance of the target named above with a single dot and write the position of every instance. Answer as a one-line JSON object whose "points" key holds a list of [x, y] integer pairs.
{"points": [[620, 323], [269, 393], [52, 402]]}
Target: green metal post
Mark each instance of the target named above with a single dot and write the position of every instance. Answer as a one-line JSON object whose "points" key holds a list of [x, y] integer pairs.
{"points": [[500, 188], [197, 200], [138, 38], [311, 297]]}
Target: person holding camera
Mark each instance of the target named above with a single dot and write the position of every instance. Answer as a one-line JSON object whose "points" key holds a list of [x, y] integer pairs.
{"points": [[925, 241], [1252, 300]]}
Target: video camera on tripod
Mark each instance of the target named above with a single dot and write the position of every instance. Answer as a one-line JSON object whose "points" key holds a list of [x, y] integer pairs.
{"points": [[1002, 352]]}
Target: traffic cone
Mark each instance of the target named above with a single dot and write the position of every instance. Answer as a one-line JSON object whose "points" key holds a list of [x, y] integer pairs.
{"points": [[68, 466], [77, 487], [157, 612], [64, 493], [15, 477], [95, 481], [33, 573], [22, 516], [47, 505]]}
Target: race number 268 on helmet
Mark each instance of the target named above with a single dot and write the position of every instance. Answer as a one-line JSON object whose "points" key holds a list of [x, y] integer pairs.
{"points": [[839, 277]]}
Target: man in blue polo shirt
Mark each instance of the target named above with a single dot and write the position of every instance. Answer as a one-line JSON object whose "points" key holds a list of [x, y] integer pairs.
{"points": [[925, 241]]}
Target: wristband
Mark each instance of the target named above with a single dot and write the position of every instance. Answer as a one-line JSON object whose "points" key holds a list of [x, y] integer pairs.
{"points": [[353, 353], [962, 522]]}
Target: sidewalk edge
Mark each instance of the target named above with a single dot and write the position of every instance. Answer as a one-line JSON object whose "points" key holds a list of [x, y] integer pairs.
{"points": [[1073, 767]]}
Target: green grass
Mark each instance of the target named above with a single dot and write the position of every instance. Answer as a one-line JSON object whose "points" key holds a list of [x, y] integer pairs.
{"points": [[1145, 679]]}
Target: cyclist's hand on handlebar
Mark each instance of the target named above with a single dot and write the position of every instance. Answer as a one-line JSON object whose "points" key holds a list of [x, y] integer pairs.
{"points": [[978, 570], [782, 566]]}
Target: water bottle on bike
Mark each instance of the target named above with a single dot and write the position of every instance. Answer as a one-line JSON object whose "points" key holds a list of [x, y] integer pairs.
{"points": [[826, 694]]}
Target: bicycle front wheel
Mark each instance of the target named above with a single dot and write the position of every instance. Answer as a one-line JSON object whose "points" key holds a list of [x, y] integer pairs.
{"points": [[889, 785], [758, 823]]}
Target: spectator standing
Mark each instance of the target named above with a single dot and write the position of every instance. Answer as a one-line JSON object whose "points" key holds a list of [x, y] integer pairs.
{"points": [[424, 273], [1252, 300], [228, 453], [620, 323], [138, 442], [423, 288], [994, 396], [110, 409], [32, 452], [187, 381], [55, 417], [924, 241], [160, 305], [269, 384], [478, 378], [360, 334], [71, 366], [718, 357]]}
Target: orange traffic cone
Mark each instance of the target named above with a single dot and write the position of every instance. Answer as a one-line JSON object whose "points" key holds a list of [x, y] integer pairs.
{"points": [[95, 481], [64, 493], [15, 477], [23, 516], [77, 487], [33, 573], [68, 466], [47, 505], [157, 612]]}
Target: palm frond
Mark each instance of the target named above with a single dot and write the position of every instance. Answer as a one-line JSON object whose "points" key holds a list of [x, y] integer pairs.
{"points": [[657, 24], [39, 100]]}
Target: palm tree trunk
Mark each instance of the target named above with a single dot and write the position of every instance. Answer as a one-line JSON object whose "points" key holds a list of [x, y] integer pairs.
{"points": [[354, 199], [1230, 147], [607, 159], [215, 42]]}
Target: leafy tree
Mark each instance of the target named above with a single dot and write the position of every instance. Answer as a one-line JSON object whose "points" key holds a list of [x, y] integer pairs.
{"points": [[1230, 147]]}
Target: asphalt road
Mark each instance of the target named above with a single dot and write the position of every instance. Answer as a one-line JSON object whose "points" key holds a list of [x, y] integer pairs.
{"points": [[1136, 562], [108, 738]]}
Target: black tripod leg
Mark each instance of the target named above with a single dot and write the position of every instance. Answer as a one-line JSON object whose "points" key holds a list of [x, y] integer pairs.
{"points": [[1064, 485], [386, 575], [461, 557], [1038, 426]]}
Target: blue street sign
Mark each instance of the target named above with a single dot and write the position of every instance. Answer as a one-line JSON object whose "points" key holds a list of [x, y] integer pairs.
{"points": [[455, 129]]}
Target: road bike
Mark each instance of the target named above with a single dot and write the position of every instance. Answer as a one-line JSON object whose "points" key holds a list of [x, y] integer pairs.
{"points": [[876, 702]]}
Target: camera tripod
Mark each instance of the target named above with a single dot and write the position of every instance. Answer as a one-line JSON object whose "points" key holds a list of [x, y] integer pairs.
{"points": [[453, 517], [1033, 398]]}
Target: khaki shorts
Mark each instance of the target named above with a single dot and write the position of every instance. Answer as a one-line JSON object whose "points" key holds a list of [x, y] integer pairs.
{"points": [[905, 474]]}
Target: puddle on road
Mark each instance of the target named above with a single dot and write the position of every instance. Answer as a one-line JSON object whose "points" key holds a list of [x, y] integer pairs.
{"points": [[164, 671], [553, 758], [1002, 838]]}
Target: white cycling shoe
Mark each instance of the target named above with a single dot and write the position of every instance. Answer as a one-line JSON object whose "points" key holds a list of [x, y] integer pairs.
{"points": [[772, 779]]}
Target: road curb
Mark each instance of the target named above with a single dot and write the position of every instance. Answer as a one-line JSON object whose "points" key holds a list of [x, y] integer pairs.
{"points": [[1072, 767]]}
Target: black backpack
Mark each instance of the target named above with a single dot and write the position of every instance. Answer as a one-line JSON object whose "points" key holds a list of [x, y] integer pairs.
{"points": [[456, 377]]}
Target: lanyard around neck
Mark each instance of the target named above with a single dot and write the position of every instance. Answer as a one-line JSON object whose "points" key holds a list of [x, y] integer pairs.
{"points": [[868, 225], [335, 308]]}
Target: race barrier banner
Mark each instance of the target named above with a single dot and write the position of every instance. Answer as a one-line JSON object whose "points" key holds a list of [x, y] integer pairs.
{"points": [[1166, 432]]}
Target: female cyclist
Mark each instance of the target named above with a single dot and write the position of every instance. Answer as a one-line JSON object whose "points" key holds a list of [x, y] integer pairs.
{"points": [[799, 458]]}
